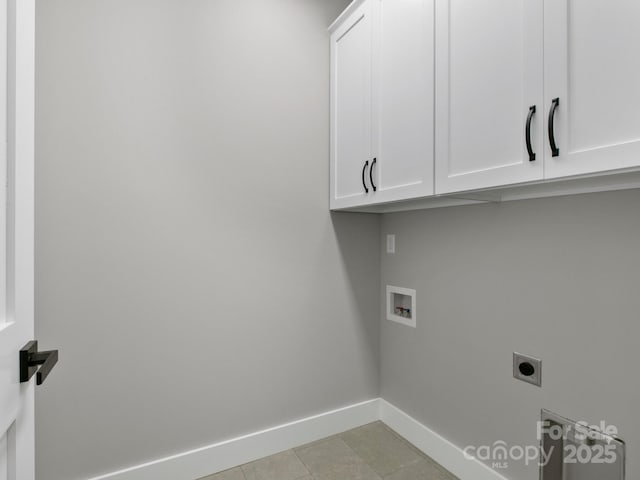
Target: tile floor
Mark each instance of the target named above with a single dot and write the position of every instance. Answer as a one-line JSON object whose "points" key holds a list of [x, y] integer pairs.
{"points": [[371, 452]]}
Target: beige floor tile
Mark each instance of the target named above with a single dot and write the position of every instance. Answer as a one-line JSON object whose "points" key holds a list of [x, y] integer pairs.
{"points": [[381, 448], [283, 466], [423, 470], [233, 474], [334, 460], [371, 452], [316, 442]]}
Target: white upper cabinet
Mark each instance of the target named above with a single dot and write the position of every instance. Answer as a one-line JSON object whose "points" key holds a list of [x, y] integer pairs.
{"points": [[403, 99], [489, 60], [435, 100], [351, 107], [382, 95], [592, 66]]}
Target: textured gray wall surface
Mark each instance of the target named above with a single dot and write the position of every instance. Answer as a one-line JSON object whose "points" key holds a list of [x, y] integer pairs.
{"points": [[556, 278], [188, 267]]}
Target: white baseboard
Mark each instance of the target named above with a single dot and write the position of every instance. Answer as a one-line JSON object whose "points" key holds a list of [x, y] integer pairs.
{"points": [[437, 447], [238, 451], [221, 456]]}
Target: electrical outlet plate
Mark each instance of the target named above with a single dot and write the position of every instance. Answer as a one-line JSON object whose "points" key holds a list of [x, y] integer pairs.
{"points": [[527, 368], [391, 243]]}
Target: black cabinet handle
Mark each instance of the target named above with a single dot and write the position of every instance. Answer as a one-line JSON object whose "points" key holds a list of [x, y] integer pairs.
{"points": [[552, 137], [30, 358], [373, 185], [364, 182], [532, 111]]}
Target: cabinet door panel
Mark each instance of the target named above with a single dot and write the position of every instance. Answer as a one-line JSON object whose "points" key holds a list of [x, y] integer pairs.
{"points": [[404, 98], [593, 67], [488, 74], [351, 109]]}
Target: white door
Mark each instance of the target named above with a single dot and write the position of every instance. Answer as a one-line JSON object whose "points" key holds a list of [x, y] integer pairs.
{"points": [[592, 68], [16, 234], [488, 76], [404, 99], [351, 145]]}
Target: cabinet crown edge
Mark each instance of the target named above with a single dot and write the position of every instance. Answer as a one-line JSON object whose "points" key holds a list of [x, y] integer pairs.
{"points": [[345, 13]]}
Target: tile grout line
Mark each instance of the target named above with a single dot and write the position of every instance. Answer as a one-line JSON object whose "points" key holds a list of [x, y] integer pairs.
{"points": [[309, 472], [310, 475], [401, 439], [356, 454], [339, 437], [420, 453]]}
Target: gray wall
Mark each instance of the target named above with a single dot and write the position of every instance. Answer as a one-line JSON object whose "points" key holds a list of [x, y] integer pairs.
{"points": [[187, 265], [556, 278], [190, 273]]}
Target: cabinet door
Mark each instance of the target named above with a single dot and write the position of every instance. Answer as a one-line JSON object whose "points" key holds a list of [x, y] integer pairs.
{"points": [[404, 99], [351, 108], [592, 66], [488, 75]]}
